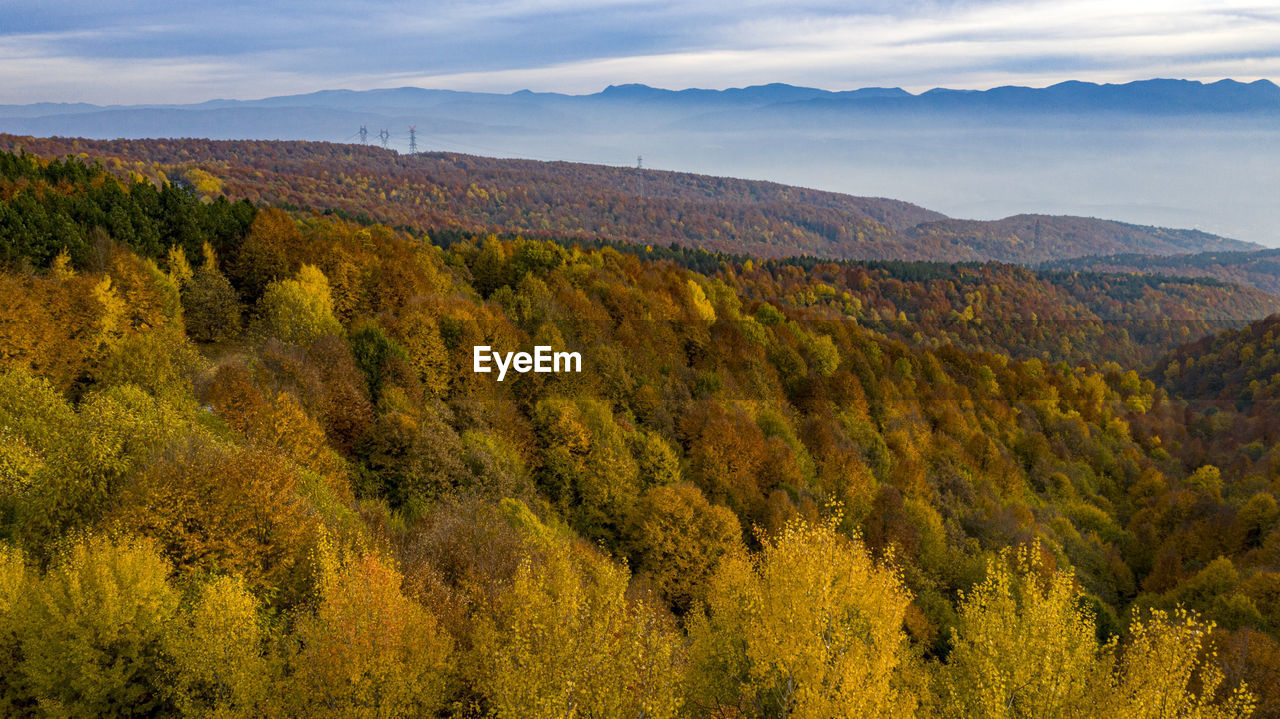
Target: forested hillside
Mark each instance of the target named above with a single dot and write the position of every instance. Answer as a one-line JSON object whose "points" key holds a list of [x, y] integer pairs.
{"points": [[1256, 269], [1241, 366], [434, 191], [1035, 238], [246, 469], [48, 208]]}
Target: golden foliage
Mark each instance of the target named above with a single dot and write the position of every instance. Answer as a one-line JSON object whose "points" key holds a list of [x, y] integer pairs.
{"points": [[1023, 646], [418, 333], [367, 650], [269, 252], [225, 509], [55, 326], [810, 627], [91, 632], [562, 640], [678, 539], [1166, 671], [13, 587], [1026, 646], [298, 310], [221, 668]]}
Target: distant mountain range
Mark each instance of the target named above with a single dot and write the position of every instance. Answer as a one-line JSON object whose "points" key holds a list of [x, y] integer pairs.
{"points": [[464, 193], [335, 114], [1170, 153]]}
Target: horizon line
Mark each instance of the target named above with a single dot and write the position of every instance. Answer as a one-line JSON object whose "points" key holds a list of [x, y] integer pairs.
{"points": [[617, 86]]}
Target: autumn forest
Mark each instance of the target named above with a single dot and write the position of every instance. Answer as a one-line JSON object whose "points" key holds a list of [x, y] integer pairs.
{"points": [[247, 469]]}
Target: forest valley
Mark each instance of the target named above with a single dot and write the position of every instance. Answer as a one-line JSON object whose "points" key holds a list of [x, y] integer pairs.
{"points": [[246, 469]]}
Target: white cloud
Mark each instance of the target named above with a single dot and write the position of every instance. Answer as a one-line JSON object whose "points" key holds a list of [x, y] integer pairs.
{"points": [[916, 46], [975, 47]]}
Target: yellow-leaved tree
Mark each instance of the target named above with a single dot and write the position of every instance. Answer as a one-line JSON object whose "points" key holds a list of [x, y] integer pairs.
{"points": [[13, 585], [367, 650], [808, 627], [562, 640], [216, 508], [1023, 646], [91, 632], [588, 466], [210, 305], [219, 655], [1026, 646], [418, 332], [298, 310], [1166, 671], [677, 538]]}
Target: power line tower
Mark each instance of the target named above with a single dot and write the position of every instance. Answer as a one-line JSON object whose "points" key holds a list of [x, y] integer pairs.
{"points": [[384, 136], [364, 135], [639, 162], [413, 139]]}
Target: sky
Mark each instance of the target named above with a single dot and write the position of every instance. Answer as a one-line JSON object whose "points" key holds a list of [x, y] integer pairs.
{"points": [[122, 52]]}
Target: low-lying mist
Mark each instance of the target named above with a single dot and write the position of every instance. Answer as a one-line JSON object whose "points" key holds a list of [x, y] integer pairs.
{"points": [[1165, 153], [1218, 177]]}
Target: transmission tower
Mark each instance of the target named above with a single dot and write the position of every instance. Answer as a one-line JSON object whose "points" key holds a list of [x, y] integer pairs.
{"points": [[413, 140], [364, 135], [384, 136], [639, 162]]}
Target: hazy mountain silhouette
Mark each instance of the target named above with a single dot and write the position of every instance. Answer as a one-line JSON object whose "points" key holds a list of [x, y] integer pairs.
{"points": [[1171, 153], [1143, 97]]}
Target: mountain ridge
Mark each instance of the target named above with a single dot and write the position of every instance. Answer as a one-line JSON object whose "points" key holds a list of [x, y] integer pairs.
{"points": [[1193, 94], [1142, 152], [1260, 269], [451, 191]]}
